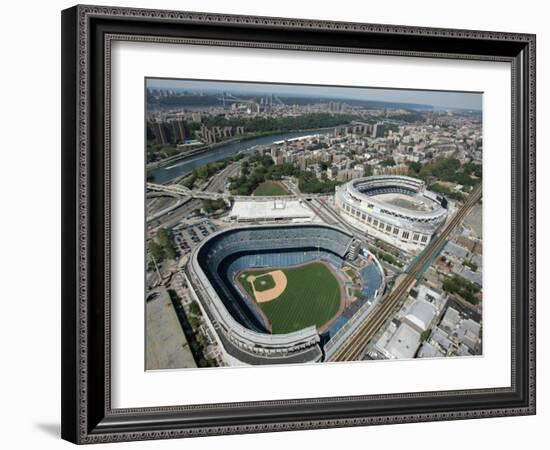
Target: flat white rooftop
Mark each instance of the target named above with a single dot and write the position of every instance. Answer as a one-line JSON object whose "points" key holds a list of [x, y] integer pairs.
{"points": [[270, 210], [404, 342]]}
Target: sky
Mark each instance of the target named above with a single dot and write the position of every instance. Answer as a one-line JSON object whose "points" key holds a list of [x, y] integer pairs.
{"points": [[442, 99]]}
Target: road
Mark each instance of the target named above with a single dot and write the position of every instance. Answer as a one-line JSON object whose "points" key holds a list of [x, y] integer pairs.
{"points": [[355, 346], [180, 190], [158, 201], [153, 214], [175, 216], [217, 182], [328, 215], [183, 206]]}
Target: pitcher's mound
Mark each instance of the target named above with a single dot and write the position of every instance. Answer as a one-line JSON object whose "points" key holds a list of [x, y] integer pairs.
{"points": [[268, 286]]}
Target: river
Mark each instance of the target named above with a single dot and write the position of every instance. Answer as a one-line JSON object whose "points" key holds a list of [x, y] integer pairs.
{"points": [[185, 166]]}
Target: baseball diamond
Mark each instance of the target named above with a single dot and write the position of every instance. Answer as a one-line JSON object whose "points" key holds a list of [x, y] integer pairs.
{"points": [[277, 294], [312, 296], [262, 282]]}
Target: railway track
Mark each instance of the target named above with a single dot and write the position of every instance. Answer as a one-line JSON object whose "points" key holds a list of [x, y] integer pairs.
{"points": [[355, 346]]}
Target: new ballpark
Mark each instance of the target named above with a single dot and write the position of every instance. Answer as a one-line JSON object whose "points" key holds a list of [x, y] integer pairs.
{"points": [[397, 209]]}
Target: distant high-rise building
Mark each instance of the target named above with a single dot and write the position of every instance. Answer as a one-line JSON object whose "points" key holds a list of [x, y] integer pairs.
{"points": [[208, 135], [332, 171], [277, 156], [302, 162], [159, 131], [179, 131], [227, 132], [349, 174], [340, 131], [335, 106], [378, 130], [171, 132]]}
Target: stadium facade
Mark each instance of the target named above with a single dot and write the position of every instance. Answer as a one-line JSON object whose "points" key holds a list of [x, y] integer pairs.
{"points": [[397, 209], [239, 330]]}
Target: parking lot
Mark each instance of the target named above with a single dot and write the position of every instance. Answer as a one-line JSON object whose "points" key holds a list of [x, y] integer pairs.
{"points": [[188, 235]]}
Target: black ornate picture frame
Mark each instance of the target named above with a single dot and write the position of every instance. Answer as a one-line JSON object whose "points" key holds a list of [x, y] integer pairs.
{"points": [[87, 35]]}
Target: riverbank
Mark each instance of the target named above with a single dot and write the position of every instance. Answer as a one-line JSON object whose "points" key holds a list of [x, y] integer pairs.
{"points": [[187, 163], [206, 148], [180, 156]]}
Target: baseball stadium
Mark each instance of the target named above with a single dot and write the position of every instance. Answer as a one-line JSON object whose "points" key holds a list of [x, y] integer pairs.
{"points": [[397, 209], [276, 294]]}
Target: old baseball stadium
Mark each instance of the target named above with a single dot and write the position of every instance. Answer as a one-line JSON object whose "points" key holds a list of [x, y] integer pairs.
{"points": [[276, 294], [397, 209]]}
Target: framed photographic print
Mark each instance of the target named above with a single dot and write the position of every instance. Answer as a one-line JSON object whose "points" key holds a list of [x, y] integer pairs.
{"points": [[281, 224]]}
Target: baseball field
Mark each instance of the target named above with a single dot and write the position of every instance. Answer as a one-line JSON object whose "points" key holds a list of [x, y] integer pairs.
{"points": [[268, 188], [296, 297]]}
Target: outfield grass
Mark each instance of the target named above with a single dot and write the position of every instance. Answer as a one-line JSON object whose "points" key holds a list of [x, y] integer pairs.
{"points": [[269, 188], [312, 297]]}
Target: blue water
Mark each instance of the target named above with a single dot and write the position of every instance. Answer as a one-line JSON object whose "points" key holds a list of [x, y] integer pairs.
{"points": [[183, 167]]}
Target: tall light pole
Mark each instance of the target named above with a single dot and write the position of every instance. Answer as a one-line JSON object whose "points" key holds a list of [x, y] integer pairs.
{"points": [[156, 266]]}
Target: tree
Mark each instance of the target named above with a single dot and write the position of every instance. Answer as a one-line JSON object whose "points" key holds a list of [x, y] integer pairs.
{"points": [[367, 172], [415, 167], [211, 206], [189, 181], [450, 169], [460, 286], [388, 162], [457, 195], [165, 242], [156, 251], [195, 347], [194, 308], [194, 322], [425, 335], [170, 252], [163, 237], [308, 183], [211, 362], [470, 297]]}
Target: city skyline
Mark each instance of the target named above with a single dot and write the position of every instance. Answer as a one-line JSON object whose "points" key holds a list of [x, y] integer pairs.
{"points": [[459, 100]]}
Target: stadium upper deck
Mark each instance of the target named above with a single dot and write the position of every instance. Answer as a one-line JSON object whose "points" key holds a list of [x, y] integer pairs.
{"points": [[239, 331]]}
